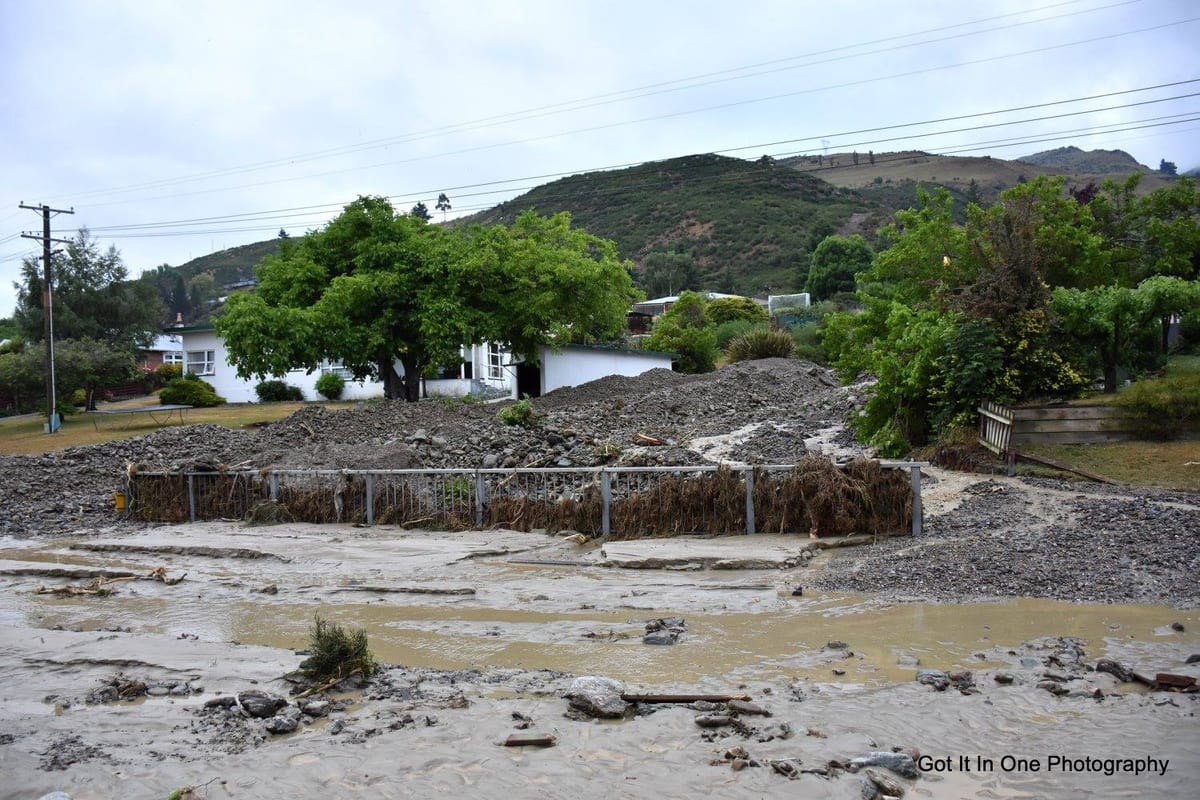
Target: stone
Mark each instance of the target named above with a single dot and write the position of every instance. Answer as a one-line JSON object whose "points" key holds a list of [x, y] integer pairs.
{"points": [[1031, 663], [260, 704], [1177, 627], [315, 708], [597, 697], [1003, 678], [746, 707], [663, 637], [1119, 671], [934, 677], [908, 660], [158, 691], [285, 721], [837, 645], [900, 763], [714, 720], [1193, 658], [228, 701]]}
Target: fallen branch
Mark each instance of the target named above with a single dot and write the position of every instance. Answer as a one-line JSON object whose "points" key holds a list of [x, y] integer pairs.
{"points": [[683, 698], [530, 740], [329, 684]]}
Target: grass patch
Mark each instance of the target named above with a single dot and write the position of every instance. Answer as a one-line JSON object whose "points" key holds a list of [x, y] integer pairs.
{"points": [[23, 435], [1161, 464]]}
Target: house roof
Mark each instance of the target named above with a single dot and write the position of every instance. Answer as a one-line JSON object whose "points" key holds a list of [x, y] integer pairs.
{"points": [[199, 327], [615, 348], [675, 298]]}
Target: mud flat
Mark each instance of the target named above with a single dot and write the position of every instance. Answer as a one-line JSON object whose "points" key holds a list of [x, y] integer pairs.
{"points": [[469, 669]]}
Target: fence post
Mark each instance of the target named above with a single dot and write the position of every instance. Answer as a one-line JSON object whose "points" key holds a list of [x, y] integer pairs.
{"points": [[480, 498], [748, 477], [273, 481], [370, 498], [915, 473], [191, 497], [606, 502]]}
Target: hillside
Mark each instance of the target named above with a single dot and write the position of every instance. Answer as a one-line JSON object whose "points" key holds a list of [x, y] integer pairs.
{"points": [[1094, 162], [231, 265], [747, 225]]}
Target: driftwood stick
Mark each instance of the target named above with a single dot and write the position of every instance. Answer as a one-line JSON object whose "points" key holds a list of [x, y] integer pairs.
{"points": [[683, 698], [530, 740]]}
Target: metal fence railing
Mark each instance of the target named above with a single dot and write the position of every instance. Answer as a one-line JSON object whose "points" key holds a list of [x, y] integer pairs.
{"points": [[814, 496]]}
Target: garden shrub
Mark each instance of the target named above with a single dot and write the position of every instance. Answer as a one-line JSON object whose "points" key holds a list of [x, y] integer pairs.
{"points": [[189, 390], [1162, 408], [519, 413], [331, 385], [728, 331], [761, 343], [275, 391]]}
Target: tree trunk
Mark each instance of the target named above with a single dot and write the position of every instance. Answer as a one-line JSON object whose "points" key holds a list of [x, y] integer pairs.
{"points": [[1110, 378], [412, 379], [391, 381], [1166, 333]]}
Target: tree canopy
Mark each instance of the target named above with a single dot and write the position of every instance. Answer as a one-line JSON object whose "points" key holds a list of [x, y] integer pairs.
{"points": [[375, 287], [834, 264], [1029, 298], [93, 298]]}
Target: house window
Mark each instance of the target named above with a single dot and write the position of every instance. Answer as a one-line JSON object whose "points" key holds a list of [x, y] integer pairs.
{"points": [[495, 362], [337, 368], [173, 357], [202, 362]]}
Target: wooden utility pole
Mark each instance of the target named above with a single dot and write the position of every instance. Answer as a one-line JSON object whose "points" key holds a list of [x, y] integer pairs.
{"points": [[48, 304]]}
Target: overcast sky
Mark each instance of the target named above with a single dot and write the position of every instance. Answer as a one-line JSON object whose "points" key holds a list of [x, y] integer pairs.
{"points": [[137, 113]]}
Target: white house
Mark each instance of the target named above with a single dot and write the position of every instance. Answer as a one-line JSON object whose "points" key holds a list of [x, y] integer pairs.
{"points": [[486, 369]]}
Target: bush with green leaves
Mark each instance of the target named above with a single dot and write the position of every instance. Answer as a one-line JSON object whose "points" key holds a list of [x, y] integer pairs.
{"points": [[1162, 408], [275, 391], [728, 331], [686, 331], [336, 653], [761, 343], [165, 373], [519, 413], [727, 309], [189, 390], [331, 385], [807, 337]]}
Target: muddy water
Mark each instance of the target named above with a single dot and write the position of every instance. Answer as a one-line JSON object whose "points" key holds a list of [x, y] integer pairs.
{"points": [[743, 628]]}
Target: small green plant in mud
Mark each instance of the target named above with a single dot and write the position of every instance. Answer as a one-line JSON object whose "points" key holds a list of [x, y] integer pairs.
{"points": [[519, 413], [336, 652], [457, 490], [189, 792]]}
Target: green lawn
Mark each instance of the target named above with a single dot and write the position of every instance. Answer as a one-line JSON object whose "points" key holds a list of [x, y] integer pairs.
{"points": [[1169, 465], [25, 434]]}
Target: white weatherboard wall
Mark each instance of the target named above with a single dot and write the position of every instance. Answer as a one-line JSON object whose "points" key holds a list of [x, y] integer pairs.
{"points": [[572, 366], [224, 378]]}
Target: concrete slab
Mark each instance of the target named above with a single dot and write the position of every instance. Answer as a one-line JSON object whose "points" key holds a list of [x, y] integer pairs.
{"points": [[693, 552]]}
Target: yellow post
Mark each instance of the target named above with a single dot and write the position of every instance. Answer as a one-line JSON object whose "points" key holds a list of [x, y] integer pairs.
{"points": [[119, 501]]}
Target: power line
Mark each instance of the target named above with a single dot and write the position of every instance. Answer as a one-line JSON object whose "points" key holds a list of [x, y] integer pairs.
{"points": [[670, 115], [283, 214], [638, 92]]}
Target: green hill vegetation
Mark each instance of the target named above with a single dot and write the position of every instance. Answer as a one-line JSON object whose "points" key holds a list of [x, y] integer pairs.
{"points": [[726, 224], [1095, 162], [745, 225]]}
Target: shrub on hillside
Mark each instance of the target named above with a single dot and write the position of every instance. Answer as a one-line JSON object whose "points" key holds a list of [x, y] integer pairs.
{"points": [[1162, 408], [761, 343], [807, 337], [275, 391], [519, 413], [189, 390], [331, 385]]}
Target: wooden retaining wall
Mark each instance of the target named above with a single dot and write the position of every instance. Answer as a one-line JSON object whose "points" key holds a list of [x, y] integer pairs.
{"points": [[1003, 429]]}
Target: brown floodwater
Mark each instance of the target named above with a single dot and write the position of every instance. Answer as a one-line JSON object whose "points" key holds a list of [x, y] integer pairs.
{"points": [[742, 629]]}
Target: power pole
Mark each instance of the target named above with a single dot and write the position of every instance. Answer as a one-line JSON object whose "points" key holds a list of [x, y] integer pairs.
{"points": [[48, 304]]}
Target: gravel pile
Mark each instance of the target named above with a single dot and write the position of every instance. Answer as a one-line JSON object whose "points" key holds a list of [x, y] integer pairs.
{"points": [[1009, 539], [770, 405]]}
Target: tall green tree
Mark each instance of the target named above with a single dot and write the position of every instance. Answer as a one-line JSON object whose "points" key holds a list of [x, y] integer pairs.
{"points": [[375, 287], [834, 264], [666, 274], [93, 298], [685, 329]]}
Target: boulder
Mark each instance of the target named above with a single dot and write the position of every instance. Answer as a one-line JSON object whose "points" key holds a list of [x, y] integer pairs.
{"points": [[260, 704], [597, 697]]}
